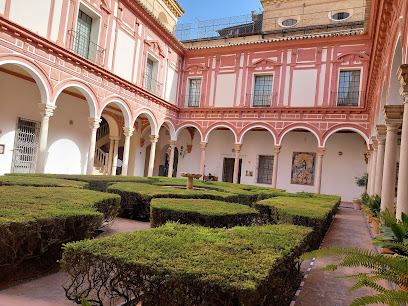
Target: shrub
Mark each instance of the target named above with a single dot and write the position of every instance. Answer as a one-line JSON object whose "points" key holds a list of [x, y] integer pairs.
{"points": [[39, 182], [316, 212], [36, 221], [202, 212], [135, 198], [188, 265]]}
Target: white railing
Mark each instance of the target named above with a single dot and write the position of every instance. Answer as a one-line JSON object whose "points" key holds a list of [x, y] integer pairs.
{"points": [[102, 159], [102, 131]]}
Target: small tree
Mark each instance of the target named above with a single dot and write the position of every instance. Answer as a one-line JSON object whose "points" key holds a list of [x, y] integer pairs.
{"points": [[362, 181]]}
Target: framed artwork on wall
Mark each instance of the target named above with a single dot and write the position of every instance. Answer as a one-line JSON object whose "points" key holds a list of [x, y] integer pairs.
{"points": [[303, 168], [2, 148]]}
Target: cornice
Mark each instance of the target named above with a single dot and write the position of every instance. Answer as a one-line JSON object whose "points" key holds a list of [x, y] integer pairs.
{"points": [[175, 7]]}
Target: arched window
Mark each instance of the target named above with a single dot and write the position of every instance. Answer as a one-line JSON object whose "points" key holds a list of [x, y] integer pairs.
{"points": [[289, 22]]}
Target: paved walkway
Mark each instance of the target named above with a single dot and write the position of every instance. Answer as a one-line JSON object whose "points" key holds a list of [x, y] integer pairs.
{"points": [[348, 229], [48, 291]]}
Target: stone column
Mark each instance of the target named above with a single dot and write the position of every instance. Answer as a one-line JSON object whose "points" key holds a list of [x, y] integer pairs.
{"points": [[381, 132], [402, 195], [115, 154], [202, 160], [370, 162], [319, 167], [128, 132], [94, 125], [237, 148], [173, 144], [153, 140], [276, 151], [110, 157], [46, 111], [373, 165], [393, 120]]}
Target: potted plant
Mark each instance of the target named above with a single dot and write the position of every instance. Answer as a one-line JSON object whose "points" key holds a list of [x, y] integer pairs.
{"points": [[374, 205], [357, 204]]}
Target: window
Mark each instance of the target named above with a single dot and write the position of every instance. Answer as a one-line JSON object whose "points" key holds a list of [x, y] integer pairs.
{"points": [[83, 34], [262, 90], [194, 93], [265, 169], [289, 22], [349, 88], [150, 82], [340, 16]]}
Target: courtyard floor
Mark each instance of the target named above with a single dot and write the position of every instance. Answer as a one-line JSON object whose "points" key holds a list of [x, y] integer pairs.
{"points": [[320, 288]]}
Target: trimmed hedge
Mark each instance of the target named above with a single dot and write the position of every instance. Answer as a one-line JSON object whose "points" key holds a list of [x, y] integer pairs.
{"points": [[39, 182], [202, 212], [316, 211], [188, 265], [135, 198], [36, 221]]}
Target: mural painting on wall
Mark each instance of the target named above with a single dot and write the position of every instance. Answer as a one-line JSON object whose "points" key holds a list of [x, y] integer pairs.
{"points": [[303, 167]]}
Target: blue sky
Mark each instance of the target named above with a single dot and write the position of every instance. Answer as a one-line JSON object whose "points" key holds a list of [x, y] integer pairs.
{"points": [[212, 9]]}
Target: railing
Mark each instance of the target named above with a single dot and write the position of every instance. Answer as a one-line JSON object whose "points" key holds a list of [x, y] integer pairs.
{"points": [[348, 98], [193, 100], [102, 131], [102, 159], [81, 45], [152, 85], [262, 99]]}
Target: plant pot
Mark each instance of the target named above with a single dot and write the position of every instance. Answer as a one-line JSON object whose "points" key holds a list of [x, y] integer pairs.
{"points": [[376, 225], [386, 251], [357, 205]]}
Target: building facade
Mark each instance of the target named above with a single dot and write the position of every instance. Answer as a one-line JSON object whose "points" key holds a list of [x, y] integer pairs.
{"points": [[296, 97]]}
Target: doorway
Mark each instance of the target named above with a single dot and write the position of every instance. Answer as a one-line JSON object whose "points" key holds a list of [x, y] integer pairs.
{"points": [[228, 170]]}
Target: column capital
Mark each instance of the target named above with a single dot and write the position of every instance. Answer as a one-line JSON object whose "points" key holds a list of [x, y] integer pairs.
{"points": [[393, 124], [393, 112], [276, 149], [173, 143], [403, 78], [128, 131], [375, 143], [321, 151], [94, 123], [154, 138], [47, 110], [381, 130], [203, 145], [237, 147]]}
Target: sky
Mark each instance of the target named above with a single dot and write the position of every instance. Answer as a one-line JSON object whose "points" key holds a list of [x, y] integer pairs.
{"points": [[212, 9]]}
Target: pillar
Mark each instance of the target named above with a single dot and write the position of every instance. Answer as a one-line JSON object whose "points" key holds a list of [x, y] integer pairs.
{"points": [[173, 144], [319, 167], [402, 195], [46, 111], [373, 165], [153, 140], [370, 161], [276, 151], [115, 155], [127, 132], [202, 160], [94, 125], [237, 148], [110, 156], [381, 132]]}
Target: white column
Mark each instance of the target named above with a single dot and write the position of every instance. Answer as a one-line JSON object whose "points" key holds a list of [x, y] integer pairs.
{"points": [[373, 166], [276, 151], [94, 125], [370, 162], [110, 157], [173, 144], [319, 167], [237, 148], [390, 164], [153, 140], [115, 154], [381, 132], [202, 160], [46, 111], [127, 132]]}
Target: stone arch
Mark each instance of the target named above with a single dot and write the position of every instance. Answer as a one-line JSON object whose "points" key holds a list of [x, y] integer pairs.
{"points": [[224, 125], [36, 72], [84, 88], [258, 125], [123, 105], [303, 126], [171, 128], [354, 128], [190, 124], [152, 120], [114, 126]]}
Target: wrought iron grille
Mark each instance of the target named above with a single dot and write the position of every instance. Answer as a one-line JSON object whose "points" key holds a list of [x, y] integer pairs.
{"points": [[194, 93], [152, 85], [26, 146], [265, 169], [85, 48], [348, 98], [262, 96]]}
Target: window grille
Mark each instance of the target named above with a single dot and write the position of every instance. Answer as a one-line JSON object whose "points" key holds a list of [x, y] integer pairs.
{"points": [[83, 35], [341, 16], [194, 93], [349, 88], [263, 90], [149, 75], [289, 22], [265, 169]]}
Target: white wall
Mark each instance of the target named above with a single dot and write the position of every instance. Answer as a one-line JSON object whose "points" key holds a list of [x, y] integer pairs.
{"points": [[224, 96], [171, 89], [125, 47], [304, 88]]}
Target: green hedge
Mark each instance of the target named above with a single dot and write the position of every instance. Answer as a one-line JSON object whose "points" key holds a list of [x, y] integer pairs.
{"points": [[316, 211], [36, 221], [202, 212], [39, 182], [135, 198], [188, 265]]}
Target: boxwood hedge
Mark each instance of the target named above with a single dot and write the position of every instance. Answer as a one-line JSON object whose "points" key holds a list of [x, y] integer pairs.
{"points": [[316, 211], [36, 221], [202, 212], [188, 265], [39, 182]]}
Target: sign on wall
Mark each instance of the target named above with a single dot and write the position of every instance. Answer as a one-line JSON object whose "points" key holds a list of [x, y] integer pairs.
{"points": [[303, 167]]}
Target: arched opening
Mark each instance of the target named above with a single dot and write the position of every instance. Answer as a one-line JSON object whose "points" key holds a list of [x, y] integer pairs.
{"points": [[189, 149], [21, 91], [394, 97]]}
